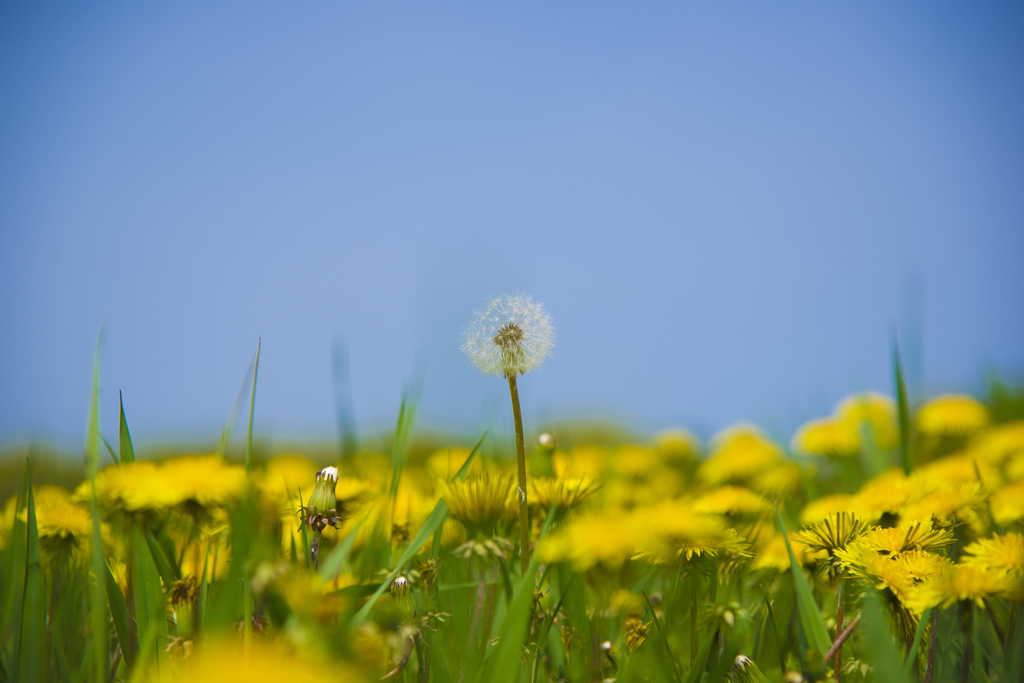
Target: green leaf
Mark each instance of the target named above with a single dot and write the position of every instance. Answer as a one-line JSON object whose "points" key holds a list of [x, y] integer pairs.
{"points": [[31, 646], [433, 524], [810, 615], [882, 651], [119, 611], [125, 438]]}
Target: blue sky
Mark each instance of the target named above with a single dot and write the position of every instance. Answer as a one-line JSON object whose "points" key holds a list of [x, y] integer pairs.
{"points": [[725, 207]]}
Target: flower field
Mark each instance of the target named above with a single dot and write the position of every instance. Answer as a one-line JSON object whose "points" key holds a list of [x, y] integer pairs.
{"points": [[879, 543]]}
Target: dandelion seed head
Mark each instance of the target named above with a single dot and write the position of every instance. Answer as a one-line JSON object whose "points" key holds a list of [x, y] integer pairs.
{"points": [[511, 336]]}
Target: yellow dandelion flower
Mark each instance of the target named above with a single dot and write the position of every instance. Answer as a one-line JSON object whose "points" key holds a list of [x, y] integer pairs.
{"points": [[582, 461], [1008, 504], [741, 453], [677, 445], [999, 443], [817, 510], [957, 469], [833, 533], [199, 480], [827, 436], [590, 539], [269, 663], [562, 494], [636, 633], [891, 541], [485, 504], [774, 555], [57, 517], [967, 582], [733, 500], [871, 415], [117, 487], [951, 416], [782, 480], [963, 503], [443, 464], [884, 493], [1002, 554], [677, 531], [284, 475], [634, 462]]}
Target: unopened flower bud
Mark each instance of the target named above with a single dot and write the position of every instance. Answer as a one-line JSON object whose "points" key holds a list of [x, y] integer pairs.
{"points": [[323, 497], [401, 593]]}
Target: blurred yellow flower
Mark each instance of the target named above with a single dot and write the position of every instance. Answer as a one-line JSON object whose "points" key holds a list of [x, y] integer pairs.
{"points": [[1008, 504], [741, 453], [951, 415], [827, 436], [966, 582], [999, 443], [562, 494], [1003, 554], [733, 500], [485, 504], [582, 461], [677, 445], [872, 415]]}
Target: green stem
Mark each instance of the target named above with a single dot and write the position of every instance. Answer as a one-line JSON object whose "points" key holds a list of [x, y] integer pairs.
{"points": [[929, 670], [524, 518], [838, 675]]}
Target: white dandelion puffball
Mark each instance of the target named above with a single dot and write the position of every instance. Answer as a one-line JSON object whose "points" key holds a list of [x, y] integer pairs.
{"points": [[510, 337]]}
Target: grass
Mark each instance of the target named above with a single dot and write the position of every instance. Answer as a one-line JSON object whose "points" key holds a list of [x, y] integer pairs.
{"points": [[687, 564]]}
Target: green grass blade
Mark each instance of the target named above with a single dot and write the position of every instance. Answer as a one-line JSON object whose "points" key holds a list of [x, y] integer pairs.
{"points": [[911, 657], [225, 435], [333, 563], [810, 616], [514, 628], [204, 590], [252, 407], [461, 474], [110, 449], [433, 524], [119, 612], [902, 406], [98, 614], [701, 662], [664, 640], [775, 631], [150, 610], [165, 568], [31, 646], [883, 654], [124, 437], [14, 573]]}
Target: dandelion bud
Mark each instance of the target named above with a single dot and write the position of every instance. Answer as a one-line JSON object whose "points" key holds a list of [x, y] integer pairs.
{"points": [[746, 671], [401, 593], [546, 441], [323, 498]]}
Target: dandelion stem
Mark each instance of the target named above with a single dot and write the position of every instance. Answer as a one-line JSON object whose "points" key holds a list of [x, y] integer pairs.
{"points": [[929, 670], [524, 519], [838, 669], [838, 645]]}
